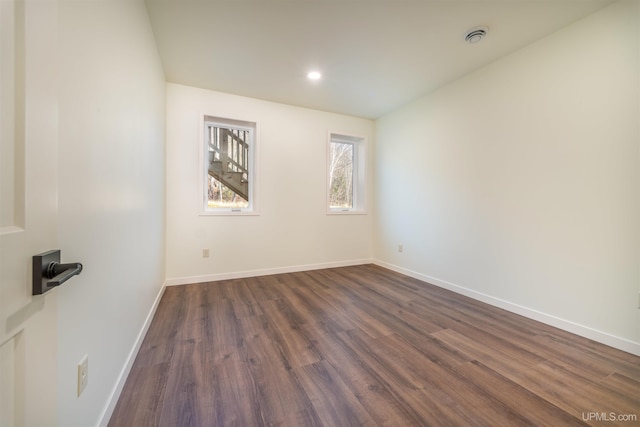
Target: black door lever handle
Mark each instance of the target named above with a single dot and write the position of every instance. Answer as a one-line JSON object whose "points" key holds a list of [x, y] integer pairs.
{"points": [[49, 273], [60, 273]]}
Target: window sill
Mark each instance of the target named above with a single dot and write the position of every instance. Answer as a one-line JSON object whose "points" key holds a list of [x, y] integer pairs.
{"points": [[345, 212], [229, 213]]}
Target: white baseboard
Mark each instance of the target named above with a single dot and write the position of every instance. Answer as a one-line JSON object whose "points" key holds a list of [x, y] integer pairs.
{"points": [[263, 272], [122, 378], [566, 325]]}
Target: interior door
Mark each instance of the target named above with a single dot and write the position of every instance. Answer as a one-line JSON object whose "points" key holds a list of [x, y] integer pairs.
{"points": [[28, 209]]}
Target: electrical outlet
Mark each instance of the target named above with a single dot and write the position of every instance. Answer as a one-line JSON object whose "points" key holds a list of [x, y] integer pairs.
{"points": [[83, 374], [205, 253], [400, 248]]}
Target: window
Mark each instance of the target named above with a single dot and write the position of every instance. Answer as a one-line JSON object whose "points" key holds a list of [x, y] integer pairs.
{"points": [[229, 178], [341, 160], [346, 174]]}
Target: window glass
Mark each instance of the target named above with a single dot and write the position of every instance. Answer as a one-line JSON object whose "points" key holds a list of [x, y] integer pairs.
{"points": [[341, 156], [346, 182], [228, 165]]}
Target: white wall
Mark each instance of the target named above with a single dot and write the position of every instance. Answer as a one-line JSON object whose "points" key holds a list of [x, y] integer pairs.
{"points": [[520, 183], [293, 229], [111, 193]]}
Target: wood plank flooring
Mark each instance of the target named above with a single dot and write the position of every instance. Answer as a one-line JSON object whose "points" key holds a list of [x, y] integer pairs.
{"points": [[365, 346]]}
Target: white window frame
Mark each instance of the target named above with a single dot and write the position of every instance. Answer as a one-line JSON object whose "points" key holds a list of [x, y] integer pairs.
{"points": [[359, 173], [251, 126]]}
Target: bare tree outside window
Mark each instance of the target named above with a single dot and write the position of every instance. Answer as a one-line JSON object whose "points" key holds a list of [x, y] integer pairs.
{"points": [[341, 159]]}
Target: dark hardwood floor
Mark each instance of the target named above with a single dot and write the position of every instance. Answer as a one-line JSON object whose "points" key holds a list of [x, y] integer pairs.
{"points": [[365, 346]]}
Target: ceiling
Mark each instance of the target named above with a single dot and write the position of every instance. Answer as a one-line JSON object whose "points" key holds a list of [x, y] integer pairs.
{"points": [[374, 55]]}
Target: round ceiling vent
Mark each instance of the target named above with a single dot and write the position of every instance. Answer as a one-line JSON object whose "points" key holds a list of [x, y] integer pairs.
{"points": [[476, 34]]}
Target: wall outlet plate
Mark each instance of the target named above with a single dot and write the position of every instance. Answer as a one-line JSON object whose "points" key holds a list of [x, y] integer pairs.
{"points": [[83, 374]]}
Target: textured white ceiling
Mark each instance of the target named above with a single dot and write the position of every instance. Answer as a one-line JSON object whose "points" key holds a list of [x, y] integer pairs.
{"points": [[374, 55]]}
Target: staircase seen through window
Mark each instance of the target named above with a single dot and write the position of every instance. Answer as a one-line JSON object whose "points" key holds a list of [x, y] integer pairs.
{"points": [[229, 177]]}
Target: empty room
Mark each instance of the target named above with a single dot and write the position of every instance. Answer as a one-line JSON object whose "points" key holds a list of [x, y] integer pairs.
{"points": [[319, 213]]}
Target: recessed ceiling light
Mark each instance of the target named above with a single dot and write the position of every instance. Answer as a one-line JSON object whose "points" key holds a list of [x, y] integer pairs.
{"points": [[476, 34], [314, 75]]}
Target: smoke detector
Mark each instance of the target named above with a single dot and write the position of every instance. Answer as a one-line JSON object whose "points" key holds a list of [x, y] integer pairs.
{"points": [[476, 34]]}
